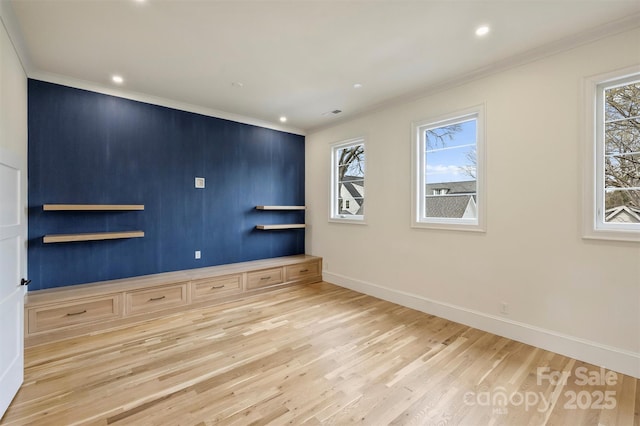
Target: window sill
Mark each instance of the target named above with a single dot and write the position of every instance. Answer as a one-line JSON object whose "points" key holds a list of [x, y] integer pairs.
{"points": [[354, 221], [603, 235], [449, 226]]}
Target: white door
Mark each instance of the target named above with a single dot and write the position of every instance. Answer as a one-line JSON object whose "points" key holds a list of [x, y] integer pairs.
{"points": [[11, 292]]}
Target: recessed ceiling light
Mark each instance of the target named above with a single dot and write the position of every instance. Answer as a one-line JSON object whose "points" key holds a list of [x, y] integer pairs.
{"points": [[357, 86], [283, 119], [117, 79], [482, 30]]}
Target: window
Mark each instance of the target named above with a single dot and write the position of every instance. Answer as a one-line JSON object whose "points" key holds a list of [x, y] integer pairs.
{"points": [[448, 171], [613, 190], [347, 181]]}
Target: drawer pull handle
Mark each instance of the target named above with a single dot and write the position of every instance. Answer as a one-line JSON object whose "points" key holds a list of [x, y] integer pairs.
{"points": [[217, 287], [265, 278], [153, 299], [70, 314], [304, 270]]}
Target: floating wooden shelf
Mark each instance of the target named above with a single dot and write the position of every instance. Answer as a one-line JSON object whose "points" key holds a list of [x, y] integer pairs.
{"points": [[280, 207], [92, 207], [284, 226], [281, 226], [94, 236]]}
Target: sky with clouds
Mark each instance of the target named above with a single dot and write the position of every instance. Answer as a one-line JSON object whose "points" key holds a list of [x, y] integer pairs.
{"points": [[448, 163]]}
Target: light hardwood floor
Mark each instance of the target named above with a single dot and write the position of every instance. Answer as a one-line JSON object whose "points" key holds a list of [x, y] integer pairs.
{"points": [[315, 354]]}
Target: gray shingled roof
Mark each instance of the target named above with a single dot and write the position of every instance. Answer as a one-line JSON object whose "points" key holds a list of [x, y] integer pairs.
{"points": [[465, 187], [347, 181], [446, 205]]}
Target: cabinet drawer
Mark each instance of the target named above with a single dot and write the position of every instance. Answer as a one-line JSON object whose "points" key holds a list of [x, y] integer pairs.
{"points": [[302, 270], [83, 311], [211, 288], [156, 298], [264, 278]]}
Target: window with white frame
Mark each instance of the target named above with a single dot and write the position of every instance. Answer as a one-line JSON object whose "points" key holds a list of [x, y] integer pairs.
{"points": [[615, 181], [448, 171], [347, 180]]}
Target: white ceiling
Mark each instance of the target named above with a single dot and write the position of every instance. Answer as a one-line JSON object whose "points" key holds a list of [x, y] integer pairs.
{"points": [[295, 58]]}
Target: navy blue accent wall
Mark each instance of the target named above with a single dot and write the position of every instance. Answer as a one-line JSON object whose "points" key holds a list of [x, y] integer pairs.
{"points": [[90, 148]]}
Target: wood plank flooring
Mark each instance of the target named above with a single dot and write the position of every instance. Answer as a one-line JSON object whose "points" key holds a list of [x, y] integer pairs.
{"points": [[315, 354]]}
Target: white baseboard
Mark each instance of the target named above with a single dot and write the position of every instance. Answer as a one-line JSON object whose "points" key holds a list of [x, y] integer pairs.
{"points": [[612, 358]]}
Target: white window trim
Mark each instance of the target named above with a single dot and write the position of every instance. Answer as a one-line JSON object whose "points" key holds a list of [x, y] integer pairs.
{"points": [[352, 219], [591, 154], [417, 173]]}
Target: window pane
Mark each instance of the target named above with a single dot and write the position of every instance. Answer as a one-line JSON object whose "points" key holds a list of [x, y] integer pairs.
{"points": [[351, 155], [622, 171], [622, 137], [450, 171], [349, 167], [622, 102], [622, 189], [451, 153], [450, 135], [621, 155], [622, 206], [351, 199], [615, 182], [351, 163]]}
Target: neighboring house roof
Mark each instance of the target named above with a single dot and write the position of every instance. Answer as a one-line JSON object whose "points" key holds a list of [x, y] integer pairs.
{"points": [[622, 214], [355, 189], [353, 184], [453, 206], [464, 187], [457, 201]]}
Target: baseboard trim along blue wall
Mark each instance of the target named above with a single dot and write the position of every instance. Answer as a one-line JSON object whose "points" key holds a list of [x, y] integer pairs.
{"points": [[91, 148]]}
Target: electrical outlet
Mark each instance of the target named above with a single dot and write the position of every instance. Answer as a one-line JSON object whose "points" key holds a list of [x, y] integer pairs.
{"points": [[199, 182], [198, 254], [504, 308]]}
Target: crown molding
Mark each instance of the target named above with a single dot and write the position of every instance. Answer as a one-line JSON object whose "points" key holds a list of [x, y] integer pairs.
{"points": [[11, 26], [10, 22], [628, 23], [156, 100]]}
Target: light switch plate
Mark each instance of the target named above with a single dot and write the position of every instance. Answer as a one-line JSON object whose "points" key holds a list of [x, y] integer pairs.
{"points": [[199, 182]]}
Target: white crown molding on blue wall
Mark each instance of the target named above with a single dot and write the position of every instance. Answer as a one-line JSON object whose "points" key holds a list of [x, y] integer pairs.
{"points": [[9, 21], [615, 359], [156, 100]]}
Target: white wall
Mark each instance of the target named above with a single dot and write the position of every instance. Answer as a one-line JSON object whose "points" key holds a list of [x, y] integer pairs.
{"points": [[13, 113], [574, 296]]}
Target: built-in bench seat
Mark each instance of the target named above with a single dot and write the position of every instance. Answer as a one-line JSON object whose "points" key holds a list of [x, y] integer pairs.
{"points": [[64, 312]]}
